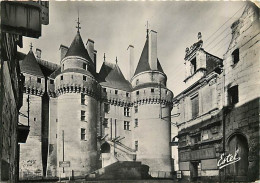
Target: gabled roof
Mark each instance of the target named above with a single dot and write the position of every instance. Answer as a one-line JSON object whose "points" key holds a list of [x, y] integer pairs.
{"points": [[143, 64], [77, 48], [30, 65], [111, 76]]}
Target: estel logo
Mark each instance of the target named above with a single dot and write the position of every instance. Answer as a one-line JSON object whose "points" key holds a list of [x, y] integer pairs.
{"points": [[227, 160]]}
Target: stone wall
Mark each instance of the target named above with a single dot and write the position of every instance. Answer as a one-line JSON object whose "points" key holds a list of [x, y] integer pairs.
{"points": [[8, 128]]}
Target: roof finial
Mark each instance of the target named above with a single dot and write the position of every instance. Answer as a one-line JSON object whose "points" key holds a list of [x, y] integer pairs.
{"points": [[116, 60], [104, 57], [78, 27], [147, 29], [31, 46]]}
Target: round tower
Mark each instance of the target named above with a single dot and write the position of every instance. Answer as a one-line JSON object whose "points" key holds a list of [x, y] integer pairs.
{"points": [[77, 91], [153, 104]]}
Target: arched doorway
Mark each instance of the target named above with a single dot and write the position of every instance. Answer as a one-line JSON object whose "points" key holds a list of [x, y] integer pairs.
{"points": [[105, 148], [238, 169]]}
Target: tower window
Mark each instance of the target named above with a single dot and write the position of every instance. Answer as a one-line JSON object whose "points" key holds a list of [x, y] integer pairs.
{"points": [[136, 109], [84, 78], [116, 92], [106, 107], [83, 117], [152, 90], [34, 119], [126, 125], [83, 100], [62, 66], [104, 90], [61, 77], [195, 106], [137, 92], [136, 122], [235, 56], [233, 95], [193, 65], [39, 80], [84, 66], [136, 145], [127, 94], [126, 111], [105, 123], [83, 134], [51, 81]]}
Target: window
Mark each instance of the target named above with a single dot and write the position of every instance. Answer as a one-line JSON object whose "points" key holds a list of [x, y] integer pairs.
{"points": [[233, 95], [152, 90], [195, 106], [136, 145], [193, 65], [137, 92], [83, 100], [83, 134], [51, 81], [136, 122], [84, 66], [134, 157], [34, 119], [126, 111], [62, 66], [84, 78], [104, 90], [126, 125], [83, 117], [137, 82], [71, 76], [61, 77], [235, 56], [197, 138], [127, 94], [39, 80], [105, 123], [116, 92], [136, 109], [106, 107], [56, 120]]}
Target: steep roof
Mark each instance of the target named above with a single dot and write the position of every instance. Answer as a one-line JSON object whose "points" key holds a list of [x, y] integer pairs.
{"points": [[111, 76], [77, 48], [143, 64], [30, 65]]}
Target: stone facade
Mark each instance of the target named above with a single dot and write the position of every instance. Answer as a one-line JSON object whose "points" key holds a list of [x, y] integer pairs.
{"points": [[218, 110], [97, 119]]}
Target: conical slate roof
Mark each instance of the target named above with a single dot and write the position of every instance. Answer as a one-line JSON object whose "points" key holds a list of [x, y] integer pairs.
{"points": [[143, 64], [111, 76], [30, 65], [77, 48]]}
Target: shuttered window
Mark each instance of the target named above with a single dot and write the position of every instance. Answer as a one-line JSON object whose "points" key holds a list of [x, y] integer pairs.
{"points": [[195, 106]]}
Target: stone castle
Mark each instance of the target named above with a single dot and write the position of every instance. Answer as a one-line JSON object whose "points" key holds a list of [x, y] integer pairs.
{"points": [[89, 120]]}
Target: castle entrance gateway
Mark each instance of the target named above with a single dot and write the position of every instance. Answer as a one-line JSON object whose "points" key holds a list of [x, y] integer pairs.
{"points": [[240, 168]]}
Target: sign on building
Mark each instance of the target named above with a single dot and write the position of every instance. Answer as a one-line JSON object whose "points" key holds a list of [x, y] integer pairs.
{"points": [[64, 163]]}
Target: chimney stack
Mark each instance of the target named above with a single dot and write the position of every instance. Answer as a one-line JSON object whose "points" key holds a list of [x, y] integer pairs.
{"points": [[38, 53], [95, 60], [152, 57], [90, 49], [131, 62], [63, 51]]}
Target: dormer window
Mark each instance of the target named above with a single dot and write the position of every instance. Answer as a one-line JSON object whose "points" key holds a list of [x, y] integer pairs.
{"points": [[235, 56], [137, 92], [116, 92], [193, 65], [137, 82], [85, 66], [152, 90]]}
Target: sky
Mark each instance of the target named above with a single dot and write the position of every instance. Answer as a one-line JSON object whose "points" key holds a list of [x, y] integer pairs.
{"points": [[115, 25]]}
